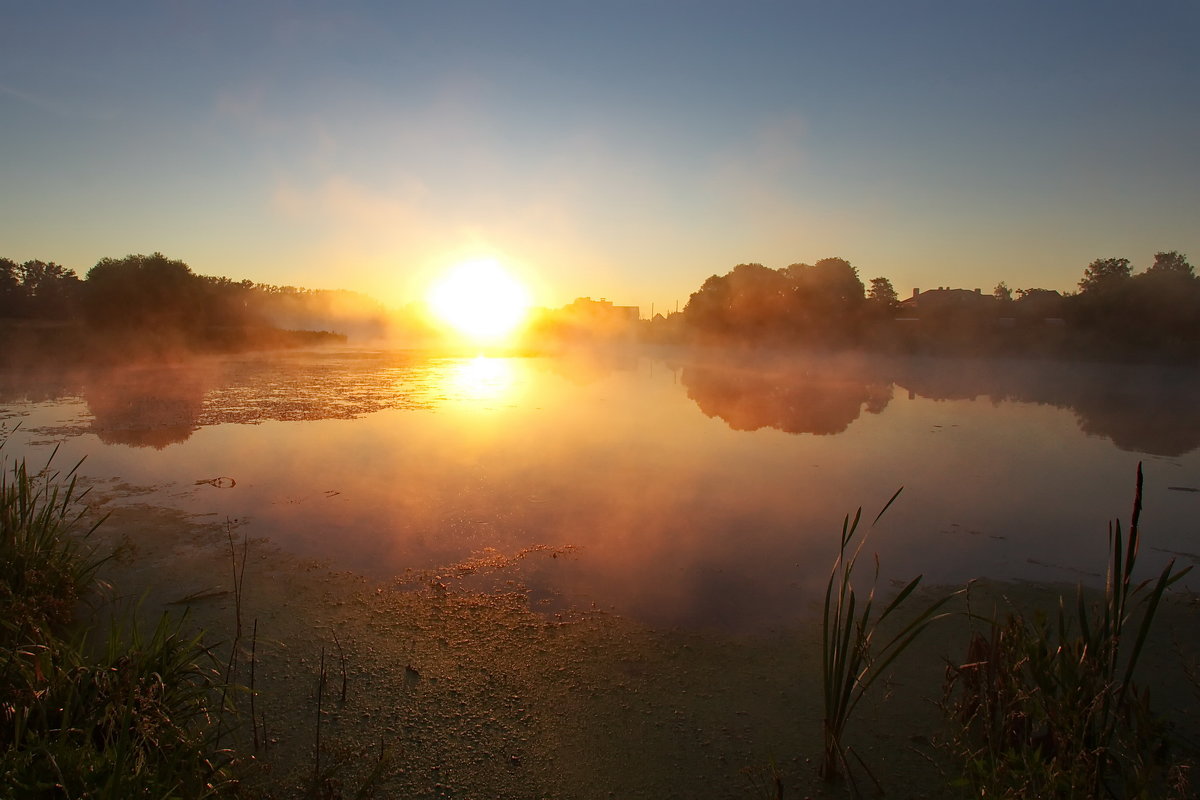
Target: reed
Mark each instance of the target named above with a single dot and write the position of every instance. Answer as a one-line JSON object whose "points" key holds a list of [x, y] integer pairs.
{"points": [[321, 679], [1047, 706], [86, 712], [331, 761], [229, 686], [342, 662], [851, 660], [253, 690], [45, 563]]}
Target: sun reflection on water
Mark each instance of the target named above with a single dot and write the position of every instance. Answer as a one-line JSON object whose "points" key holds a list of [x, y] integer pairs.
{"points": [[481, 379]]}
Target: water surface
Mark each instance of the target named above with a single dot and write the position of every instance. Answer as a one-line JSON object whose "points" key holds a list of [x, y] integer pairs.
{"points": [[679, 490]]}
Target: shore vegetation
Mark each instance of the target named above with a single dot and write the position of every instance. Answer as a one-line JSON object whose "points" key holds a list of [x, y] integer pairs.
{"points": [[90, 710]]}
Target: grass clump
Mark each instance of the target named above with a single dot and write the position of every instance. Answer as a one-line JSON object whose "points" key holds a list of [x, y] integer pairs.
{"points": [[132, 721], [44, 567], [1047, 707], [88, 714]]}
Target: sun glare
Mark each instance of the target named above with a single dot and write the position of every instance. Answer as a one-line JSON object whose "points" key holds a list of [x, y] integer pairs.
{"points": [[482, 378], [480, 300]]}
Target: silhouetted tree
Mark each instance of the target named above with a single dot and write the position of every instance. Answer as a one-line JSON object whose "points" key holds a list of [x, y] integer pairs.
{"points": [[11, 294], [830, 283], [818, 301], [883, 294], [1156, 311], [38, 290], [1105, 274], [827, 299], [1172, 263], [750, 301], [50, 289], [1002, 292], [230, 304], [1165, 300], [1038, 303], [143, 292]]}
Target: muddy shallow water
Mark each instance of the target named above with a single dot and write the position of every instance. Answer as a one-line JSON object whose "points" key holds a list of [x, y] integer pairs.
{"points": [[598, 577], [473, 694]]}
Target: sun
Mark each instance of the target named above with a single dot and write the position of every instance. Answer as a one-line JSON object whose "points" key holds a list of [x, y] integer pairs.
{"points": [[480, 300]]}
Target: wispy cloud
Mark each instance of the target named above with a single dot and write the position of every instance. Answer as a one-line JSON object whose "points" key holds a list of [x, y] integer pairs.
{"points": [[40, 103], [53, 107]]}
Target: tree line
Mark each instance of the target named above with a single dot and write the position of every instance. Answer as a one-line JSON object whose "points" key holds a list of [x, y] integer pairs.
{"points": [[1113, 311], [140, 293], [151, 307], [37, 290]]}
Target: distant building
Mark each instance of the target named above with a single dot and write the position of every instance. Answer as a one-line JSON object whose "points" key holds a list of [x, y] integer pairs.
{"points": [[601, 311], [943, 300], [595, 319], [1032, 305]]}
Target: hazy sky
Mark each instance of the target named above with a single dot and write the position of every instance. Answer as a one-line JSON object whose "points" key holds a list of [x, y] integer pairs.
{"points": [[618, 149]]}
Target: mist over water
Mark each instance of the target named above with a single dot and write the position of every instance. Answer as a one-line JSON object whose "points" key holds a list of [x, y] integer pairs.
{"points": [[678, 490]]}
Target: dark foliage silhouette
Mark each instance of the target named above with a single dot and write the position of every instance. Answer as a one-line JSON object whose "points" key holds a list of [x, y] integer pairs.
{"points": [[801, 302], [155, 306], [41, 290], [1115, 315]]}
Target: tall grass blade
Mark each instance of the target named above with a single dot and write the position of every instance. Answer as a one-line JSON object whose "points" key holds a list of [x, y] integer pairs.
{"points": [[849, 665]]}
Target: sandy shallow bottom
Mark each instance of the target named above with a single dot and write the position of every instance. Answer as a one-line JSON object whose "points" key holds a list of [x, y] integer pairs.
{"points": [[473, 693]]}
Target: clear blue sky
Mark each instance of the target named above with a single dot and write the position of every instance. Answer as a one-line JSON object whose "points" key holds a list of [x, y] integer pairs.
{"points": [[617, 149]]}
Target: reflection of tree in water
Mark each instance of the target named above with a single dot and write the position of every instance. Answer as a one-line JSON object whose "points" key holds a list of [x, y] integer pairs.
{"points": [[1156, 414], [38, 386], [145, 406], [1158, 429], [795, 399], [1140, 408]]}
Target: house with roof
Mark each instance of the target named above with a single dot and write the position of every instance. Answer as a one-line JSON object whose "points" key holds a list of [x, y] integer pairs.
{"points": [[946, 301]]}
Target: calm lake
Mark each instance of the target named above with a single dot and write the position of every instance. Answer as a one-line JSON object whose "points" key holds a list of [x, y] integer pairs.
{"points": [[674, 489]]}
